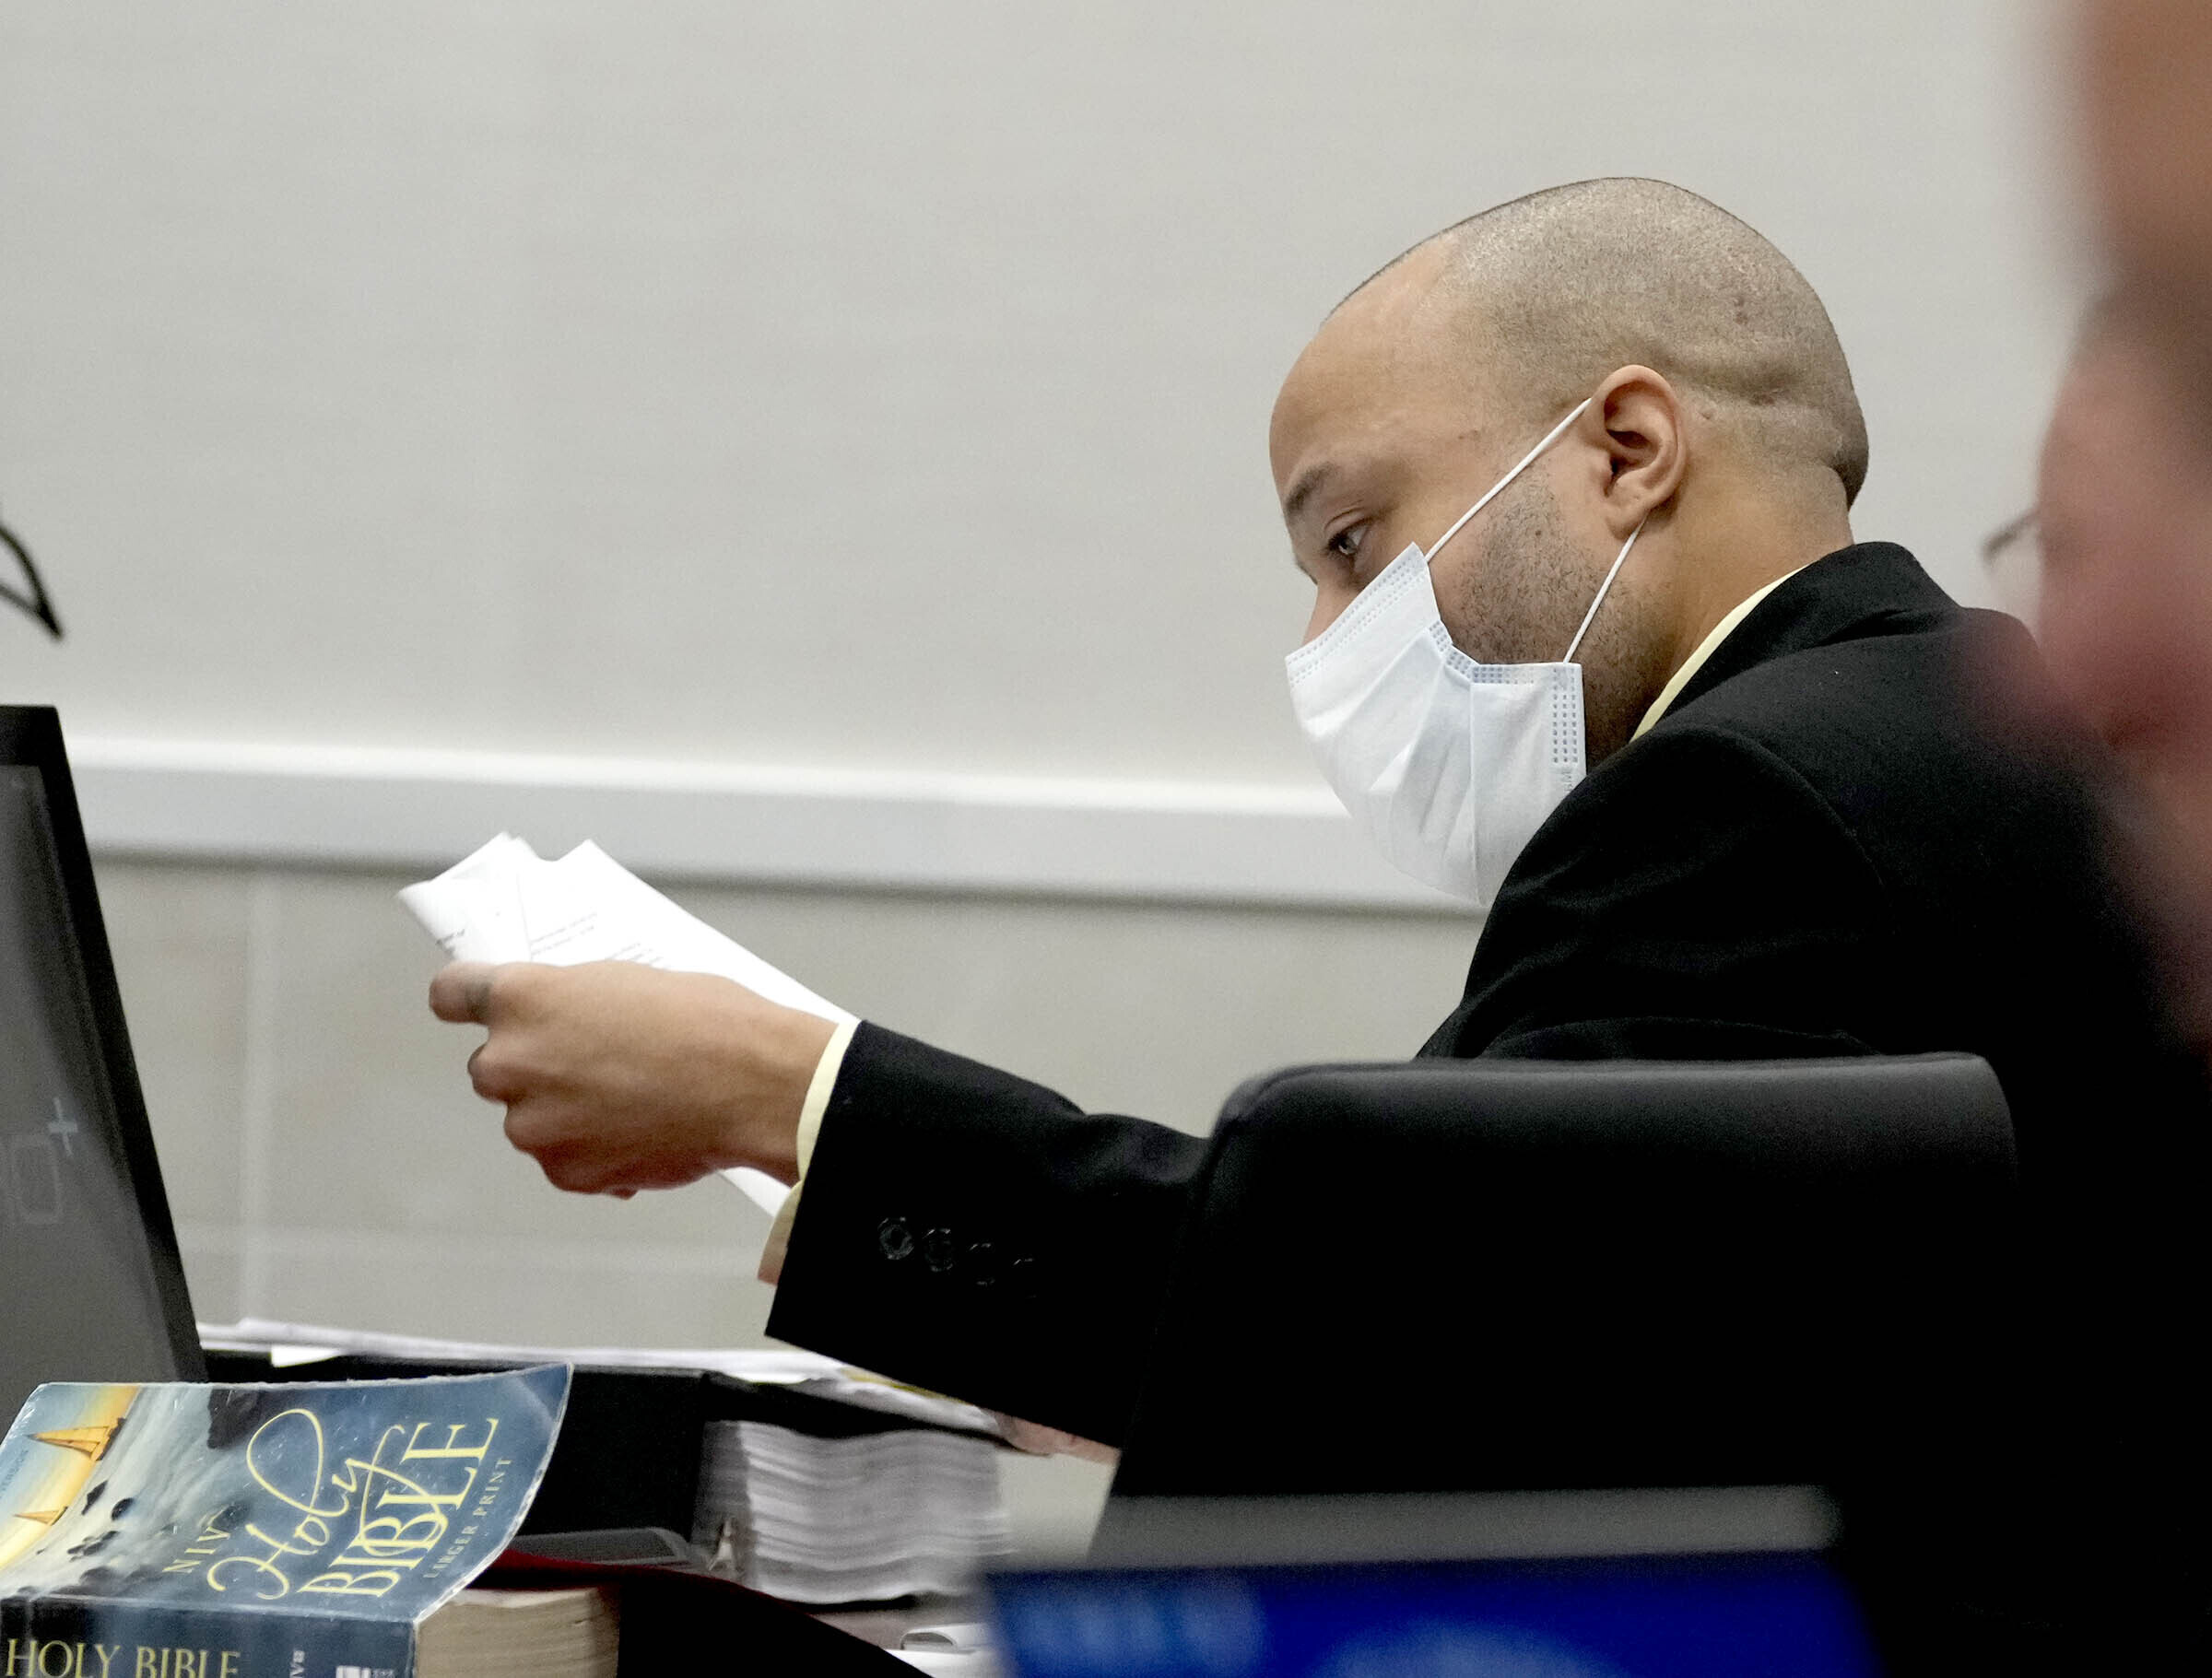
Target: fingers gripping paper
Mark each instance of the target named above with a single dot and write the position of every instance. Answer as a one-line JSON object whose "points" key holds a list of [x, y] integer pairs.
{"points": [[504, 902]]}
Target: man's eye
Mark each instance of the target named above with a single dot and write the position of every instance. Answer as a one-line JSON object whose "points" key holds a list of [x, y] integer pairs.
{"points": [[1345, 543]]}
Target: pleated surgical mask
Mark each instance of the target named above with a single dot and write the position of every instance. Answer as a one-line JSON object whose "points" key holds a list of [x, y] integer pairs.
{"points": [[1450, 766]]}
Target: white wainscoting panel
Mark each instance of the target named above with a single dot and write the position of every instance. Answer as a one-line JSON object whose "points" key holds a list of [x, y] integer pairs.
{"points": [[369, 807]]}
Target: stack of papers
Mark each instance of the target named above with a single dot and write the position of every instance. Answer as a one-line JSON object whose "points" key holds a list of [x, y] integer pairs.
{"points": [[504, 902], [906, 1512]]}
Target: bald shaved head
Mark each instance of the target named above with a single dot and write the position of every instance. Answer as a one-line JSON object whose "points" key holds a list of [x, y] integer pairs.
{"points": [[1709, 415], [1551, 292]]}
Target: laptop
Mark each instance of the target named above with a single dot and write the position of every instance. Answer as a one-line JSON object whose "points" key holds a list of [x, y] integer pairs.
{"points": [[1719, 1583], [91, 1287]]}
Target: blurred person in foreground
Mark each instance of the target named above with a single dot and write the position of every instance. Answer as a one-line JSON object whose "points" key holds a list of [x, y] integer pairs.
{"points": [[2127, 618], [1572, 480], [2120, 545]]}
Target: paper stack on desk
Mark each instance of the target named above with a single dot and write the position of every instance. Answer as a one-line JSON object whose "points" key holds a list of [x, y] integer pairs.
{"points": [[504, 902], [868, 1516]]}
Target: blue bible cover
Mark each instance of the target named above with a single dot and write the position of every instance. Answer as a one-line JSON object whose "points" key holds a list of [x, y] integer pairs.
{"points": [[188, 1531]]}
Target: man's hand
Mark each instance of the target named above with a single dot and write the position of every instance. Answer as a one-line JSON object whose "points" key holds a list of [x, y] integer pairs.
{"points": [[618, 1078]]}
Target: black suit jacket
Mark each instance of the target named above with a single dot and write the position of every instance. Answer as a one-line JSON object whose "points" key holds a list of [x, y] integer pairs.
{"points": [[1833, 843]]}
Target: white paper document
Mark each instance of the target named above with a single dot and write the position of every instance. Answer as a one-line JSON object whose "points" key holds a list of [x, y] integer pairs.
{"points": [[504, 902]]}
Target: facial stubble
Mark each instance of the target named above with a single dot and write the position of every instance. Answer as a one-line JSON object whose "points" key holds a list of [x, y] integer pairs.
{"points": [[1521, 596]]}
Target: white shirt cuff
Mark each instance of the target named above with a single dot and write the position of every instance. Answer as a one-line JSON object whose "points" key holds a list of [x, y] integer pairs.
{"points": [[810, 1130], [817, 1091]]}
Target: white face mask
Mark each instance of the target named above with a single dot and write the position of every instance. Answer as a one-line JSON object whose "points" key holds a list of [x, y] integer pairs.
{"points": [[1450, 766]]}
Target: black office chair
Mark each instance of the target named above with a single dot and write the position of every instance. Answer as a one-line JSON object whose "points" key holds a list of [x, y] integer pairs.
{"points": [[1486, 1277]]}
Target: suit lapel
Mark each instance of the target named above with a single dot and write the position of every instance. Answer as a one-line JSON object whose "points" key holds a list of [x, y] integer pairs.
{"points": [[1874, 587]]}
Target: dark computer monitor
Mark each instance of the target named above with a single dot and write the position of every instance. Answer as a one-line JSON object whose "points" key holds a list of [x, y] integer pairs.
{"points": [[91, 1288]]}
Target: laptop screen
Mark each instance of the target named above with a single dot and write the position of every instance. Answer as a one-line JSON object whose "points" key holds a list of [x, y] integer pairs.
{"points": [[91, 1286], [1592, 1618]]}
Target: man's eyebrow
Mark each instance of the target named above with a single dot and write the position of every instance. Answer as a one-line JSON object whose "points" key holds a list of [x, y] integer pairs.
{"points": [[1309, 482]]}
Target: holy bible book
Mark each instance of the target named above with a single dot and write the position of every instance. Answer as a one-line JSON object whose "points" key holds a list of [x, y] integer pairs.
{"points": [[187, 1530]]}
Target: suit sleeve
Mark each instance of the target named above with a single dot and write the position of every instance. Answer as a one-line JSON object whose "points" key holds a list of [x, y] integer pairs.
{"points": [[969, 1231], [1697, 899]]}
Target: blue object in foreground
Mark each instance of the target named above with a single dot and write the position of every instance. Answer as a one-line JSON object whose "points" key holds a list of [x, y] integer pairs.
{"points": [[1618, 1617]]}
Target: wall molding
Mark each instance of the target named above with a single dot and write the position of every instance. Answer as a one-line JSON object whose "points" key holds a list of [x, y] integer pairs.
{"points": [[359, 807]]}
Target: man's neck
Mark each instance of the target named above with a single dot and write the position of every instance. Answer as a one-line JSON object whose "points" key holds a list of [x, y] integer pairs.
{"points": [[1720, 562], [1718, 549]]}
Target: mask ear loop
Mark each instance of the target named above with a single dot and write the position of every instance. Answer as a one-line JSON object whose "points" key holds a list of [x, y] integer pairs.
{"points": [[1603, 589], [1551, 437]]}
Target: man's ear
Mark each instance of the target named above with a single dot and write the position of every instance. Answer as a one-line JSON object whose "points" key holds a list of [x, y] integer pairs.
{"points": [[1636, 418]]}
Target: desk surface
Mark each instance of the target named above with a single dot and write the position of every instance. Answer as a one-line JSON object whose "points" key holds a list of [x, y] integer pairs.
{"points": [[885, 1626]]}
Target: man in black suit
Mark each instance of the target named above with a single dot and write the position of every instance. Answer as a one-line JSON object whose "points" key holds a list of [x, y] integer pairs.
{"points": [[1801, 832]]}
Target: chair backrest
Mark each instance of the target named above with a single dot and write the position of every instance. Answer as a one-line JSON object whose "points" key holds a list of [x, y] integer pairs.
{"points": [[1501, 1275]]}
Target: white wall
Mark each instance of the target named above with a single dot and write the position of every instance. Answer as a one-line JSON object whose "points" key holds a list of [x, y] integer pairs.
{"points": [[862, 384], [862, 390]]}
